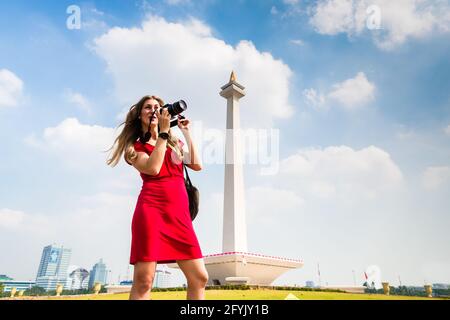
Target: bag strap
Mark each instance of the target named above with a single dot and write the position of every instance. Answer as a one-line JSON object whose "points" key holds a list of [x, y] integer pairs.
{"points": [[187, 175]]}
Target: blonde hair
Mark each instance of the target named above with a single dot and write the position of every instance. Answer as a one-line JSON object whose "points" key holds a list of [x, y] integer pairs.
{"points": [[124, 143]]}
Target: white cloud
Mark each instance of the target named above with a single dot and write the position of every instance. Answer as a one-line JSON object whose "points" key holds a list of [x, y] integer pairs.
{"points": [[435, 177], [10, 218], [97, 12], [297, 42], [404, 133], [274, 10], [447, 130], [350, 94], [177, 2], [77, 145], [353, 92], [78, 100], [11, 87], [314, 99], [184, 60], [400, 20], [341, 172], [290, 2], [333, 17], [19, 221], [263, 201]]}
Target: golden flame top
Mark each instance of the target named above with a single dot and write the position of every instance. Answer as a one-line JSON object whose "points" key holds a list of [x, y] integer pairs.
{"points": [[232, 77]]}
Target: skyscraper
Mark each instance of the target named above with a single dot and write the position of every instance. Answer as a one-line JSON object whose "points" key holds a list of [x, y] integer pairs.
{"points": [[98, 274], [53, 267], [77, 278], [163, 277]]}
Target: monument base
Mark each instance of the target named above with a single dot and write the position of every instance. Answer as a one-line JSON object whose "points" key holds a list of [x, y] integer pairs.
{"points": [[255, 269]]}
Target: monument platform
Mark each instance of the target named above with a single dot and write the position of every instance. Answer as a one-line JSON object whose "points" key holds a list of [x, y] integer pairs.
{"points": [[245, 268]]}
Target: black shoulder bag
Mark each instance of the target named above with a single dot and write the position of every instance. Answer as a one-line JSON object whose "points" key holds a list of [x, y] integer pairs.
{"points": [[193, 194]]}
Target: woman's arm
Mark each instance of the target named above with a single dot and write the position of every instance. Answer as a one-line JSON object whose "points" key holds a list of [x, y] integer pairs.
{"points": [[152, 164], [191, 157]]}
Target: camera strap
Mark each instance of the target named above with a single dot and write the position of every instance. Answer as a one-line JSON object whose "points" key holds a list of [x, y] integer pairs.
{"points": [[187, 175]]}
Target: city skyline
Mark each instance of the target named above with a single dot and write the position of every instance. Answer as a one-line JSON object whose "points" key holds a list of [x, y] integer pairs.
{"points": [[53, 267], [358, 92], [165, 270]]}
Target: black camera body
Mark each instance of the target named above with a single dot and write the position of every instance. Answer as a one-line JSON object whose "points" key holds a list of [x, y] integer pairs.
{"points": [[174, 110]]}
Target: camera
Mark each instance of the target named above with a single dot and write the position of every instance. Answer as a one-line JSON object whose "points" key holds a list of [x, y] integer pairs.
{"points": [[175, 109]]}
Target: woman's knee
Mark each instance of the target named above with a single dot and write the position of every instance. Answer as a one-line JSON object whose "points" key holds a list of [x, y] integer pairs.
{"points": [[200, 279], [144, 273], [143, 282]]}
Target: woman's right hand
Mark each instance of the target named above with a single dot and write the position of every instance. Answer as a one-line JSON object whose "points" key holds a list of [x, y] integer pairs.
{"points": [[163, 120]]}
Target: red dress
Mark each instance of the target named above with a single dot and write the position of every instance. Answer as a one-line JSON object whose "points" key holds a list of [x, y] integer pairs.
{"points": [[161, 228]]}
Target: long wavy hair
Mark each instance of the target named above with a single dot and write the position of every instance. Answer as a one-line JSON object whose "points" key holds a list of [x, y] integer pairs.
{"points": [[132, 130]]}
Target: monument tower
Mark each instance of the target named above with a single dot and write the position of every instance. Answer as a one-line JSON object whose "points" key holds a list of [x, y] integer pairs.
{"points": [[234, 227], [235, 265]]}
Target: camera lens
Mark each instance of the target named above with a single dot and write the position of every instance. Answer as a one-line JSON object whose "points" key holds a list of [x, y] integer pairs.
{"points": [[179, 107], [175, 108]]}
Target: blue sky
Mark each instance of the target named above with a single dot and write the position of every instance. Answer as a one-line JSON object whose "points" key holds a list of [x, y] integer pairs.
{"points": [[363, 116]]}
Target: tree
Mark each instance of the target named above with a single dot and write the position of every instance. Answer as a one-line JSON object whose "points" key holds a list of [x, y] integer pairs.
{"points": [[35, 291]]}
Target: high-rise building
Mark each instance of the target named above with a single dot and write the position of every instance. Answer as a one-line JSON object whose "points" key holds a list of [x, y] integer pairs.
{"points": [[441, 286], [163, 278], [9, 283], [53, 267], [77, 278], [98, 274]]}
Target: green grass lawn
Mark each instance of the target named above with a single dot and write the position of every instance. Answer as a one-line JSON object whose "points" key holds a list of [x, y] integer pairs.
{"points": [[249, 295]]}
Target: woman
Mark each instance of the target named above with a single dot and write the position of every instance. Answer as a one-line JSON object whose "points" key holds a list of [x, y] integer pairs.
{"points": [[162, 230]]}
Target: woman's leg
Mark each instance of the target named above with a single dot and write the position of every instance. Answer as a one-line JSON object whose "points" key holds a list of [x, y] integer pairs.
{"points": [[196, 276], [144, 272]]}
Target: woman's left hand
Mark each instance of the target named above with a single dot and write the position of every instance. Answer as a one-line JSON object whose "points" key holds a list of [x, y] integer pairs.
{"points": [[184, 124]]}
